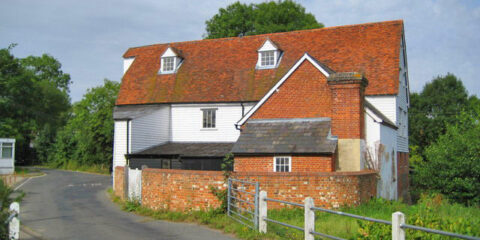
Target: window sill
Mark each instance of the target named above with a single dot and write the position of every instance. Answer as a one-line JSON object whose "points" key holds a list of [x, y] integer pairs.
{"points": [[209, 129]]}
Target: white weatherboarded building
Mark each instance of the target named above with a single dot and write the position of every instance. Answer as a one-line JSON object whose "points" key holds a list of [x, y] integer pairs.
{"points": [[7, 155]]}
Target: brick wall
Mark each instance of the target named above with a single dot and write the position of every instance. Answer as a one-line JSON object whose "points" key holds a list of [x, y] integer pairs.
{"points": [[180, 190], [329, 190], [119, 189], [402, 176], [184, 190], [304, 95], [298, 164]]}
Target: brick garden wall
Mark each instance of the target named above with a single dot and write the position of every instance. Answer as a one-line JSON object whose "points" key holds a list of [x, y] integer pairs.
{"points": [[299, 164], [119, 189], [184, 190], [180, 190]]}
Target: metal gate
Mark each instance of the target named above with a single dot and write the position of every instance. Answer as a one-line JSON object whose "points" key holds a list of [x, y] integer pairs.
{"points": [[242, 203]]}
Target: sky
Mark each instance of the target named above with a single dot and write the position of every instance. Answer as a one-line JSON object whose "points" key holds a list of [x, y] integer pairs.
{"points": [[89, 37]]}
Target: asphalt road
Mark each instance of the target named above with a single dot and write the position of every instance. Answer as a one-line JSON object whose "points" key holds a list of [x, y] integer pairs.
{"points": [[72, 205]]}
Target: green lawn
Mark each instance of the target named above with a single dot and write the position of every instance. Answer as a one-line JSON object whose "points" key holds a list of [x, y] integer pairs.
{"points": [[432, 212]]}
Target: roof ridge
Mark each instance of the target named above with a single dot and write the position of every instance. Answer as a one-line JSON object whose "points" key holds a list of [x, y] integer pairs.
{"points": [[270, 34], [280, 120]]}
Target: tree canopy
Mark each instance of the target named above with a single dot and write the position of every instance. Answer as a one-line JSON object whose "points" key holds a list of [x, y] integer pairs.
{"points": [[434, 108], [239, 19], [33, 101]]}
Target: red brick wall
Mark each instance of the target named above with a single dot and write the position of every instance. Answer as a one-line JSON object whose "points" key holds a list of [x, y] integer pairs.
{"points": [[304, 95], [402, 176], [180, 190], [329, 190], [298, 164], [184, 190], [119, 189], [347, 111]]}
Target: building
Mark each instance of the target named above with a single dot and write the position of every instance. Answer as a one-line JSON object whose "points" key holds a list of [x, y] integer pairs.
{"points": [[321, 100], [7, 155]]}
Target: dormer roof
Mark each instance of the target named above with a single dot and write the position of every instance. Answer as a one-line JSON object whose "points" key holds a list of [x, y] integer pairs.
{"points": [[268, 45], [224, 70]]}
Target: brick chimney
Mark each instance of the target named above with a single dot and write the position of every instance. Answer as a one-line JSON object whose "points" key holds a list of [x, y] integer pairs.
{"points": [[348, 121]]}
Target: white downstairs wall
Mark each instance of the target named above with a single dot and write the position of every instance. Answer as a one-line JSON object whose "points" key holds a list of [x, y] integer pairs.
{"points": [[119, 143], [187, 119], [150, 130], [381, 146]]}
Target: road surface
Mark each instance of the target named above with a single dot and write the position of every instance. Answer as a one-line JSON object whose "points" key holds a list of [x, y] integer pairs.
{"points": [[72, 205]]}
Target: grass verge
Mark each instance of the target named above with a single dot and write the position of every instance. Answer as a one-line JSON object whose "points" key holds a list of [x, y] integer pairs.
{"points": [[74, 166], [432, 211]]}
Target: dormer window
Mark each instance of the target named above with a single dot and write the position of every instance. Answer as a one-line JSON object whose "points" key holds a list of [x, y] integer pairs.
{"points": [[170, 61], [269, 55]]}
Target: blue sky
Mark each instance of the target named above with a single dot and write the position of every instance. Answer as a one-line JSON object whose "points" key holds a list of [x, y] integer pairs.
{"points": [[90, 37]]}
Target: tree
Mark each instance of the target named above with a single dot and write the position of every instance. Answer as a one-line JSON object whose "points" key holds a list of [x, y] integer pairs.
{"points": [[267, 17], [452, 165], [434, 108], [87, 138], [33, 99]]}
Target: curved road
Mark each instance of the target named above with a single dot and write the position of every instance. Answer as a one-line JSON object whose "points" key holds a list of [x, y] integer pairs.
{"points": [[72, 205]]}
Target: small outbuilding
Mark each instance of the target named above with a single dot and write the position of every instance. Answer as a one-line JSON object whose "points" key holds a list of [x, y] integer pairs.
{"points": [[7, 155]]}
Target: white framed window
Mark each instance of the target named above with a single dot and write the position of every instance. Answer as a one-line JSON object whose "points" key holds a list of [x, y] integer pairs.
{"points": [[6, 150], [267, 58], [282, 164], [209, 118], [168, 64]]}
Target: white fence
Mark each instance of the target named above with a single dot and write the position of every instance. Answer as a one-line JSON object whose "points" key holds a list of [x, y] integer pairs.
{"points": [[398, 220], [134, 185]]}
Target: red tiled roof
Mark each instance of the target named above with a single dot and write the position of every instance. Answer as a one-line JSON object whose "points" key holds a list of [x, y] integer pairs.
{"points": [[223, 70]]}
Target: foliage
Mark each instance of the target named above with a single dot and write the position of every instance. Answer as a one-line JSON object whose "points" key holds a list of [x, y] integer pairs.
{"points": [[87, 138], [427, 215], [33, 102], [434, 108], [239, 19], [7, 198], [222, 195], [452, 165]]}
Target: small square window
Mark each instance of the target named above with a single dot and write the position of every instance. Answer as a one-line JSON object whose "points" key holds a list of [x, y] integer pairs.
{"points": [[209, 118], [267, 58], [7, 150], [282, 164], [168, 64]]}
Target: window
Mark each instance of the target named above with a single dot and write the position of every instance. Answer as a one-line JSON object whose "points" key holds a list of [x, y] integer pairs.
{"points": [[168, 64], [282, 164], [267, 58], [7, 150], [209, 118]]}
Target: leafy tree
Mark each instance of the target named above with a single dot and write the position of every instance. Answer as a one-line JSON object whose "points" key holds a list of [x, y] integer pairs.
{"points": [[452, 165], [87, 138], [33, 99], [434, 108], [267, 17]]}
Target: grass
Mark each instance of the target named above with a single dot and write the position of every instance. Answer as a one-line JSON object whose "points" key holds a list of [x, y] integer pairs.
{"points": [[339, 226], [75, 166]]}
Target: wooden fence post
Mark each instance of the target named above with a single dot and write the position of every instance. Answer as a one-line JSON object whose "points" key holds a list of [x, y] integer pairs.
{"points": [[398, 233], [262, 212], [309, 219]]}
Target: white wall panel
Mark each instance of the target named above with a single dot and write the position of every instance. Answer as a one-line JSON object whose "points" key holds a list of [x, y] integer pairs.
{"points": [[150, 130], [386, 104], [187, 122], [119, 143]]}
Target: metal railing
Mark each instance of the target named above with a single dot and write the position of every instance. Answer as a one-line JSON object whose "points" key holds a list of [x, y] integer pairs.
{"points": [[398, 221], [237, 206]]}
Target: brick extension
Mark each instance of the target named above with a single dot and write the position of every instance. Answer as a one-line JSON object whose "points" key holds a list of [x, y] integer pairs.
{"points": [[299, 164]]}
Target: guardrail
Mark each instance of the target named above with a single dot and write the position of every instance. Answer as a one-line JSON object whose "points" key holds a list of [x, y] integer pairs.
{"points": [[398, 220], [13, 221]]}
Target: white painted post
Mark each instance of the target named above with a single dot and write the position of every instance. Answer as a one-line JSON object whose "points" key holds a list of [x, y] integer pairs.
{"points": [[398, 233], [262, 212], [14, 225], [309, 219]]}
